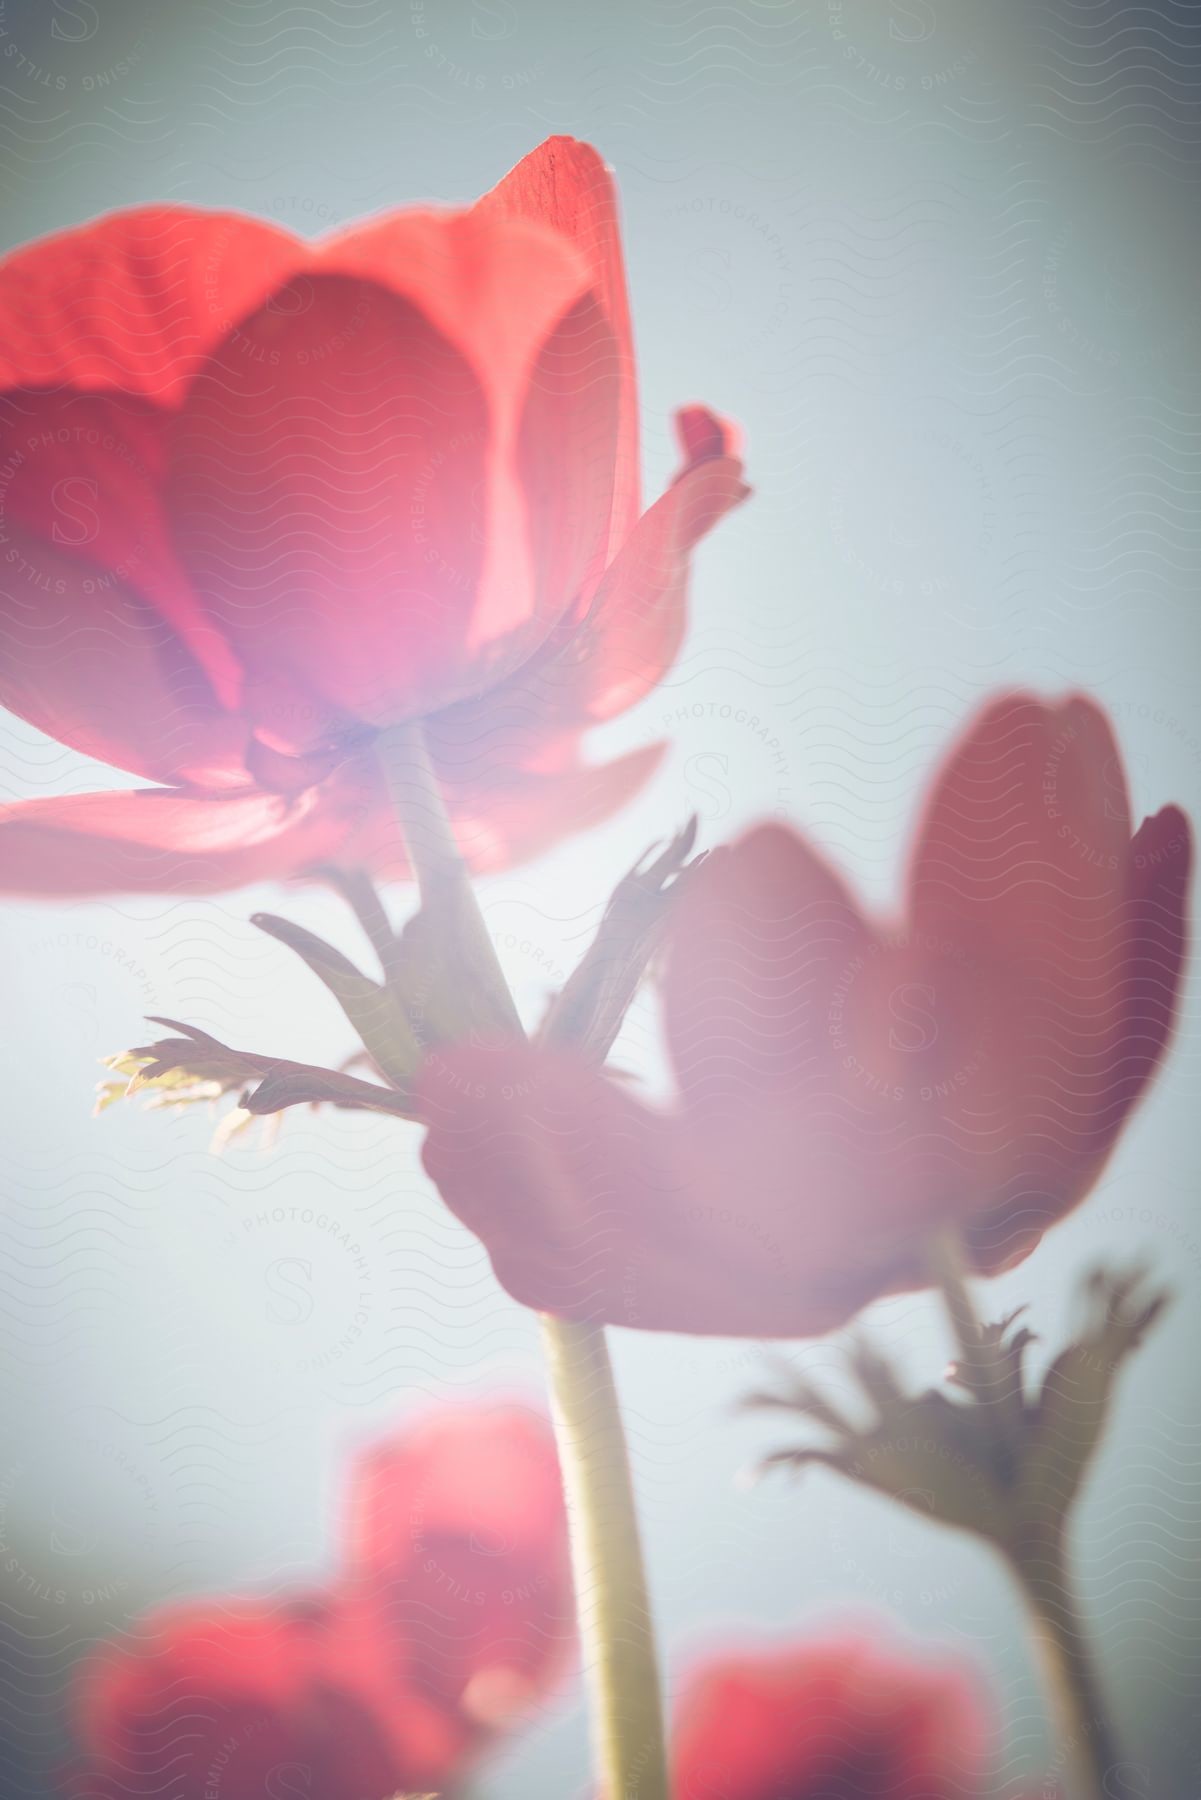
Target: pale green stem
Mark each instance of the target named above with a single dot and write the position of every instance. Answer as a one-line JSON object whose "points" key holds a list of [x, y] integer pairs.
{"points": [[442, 876], [1092, 1769], [616, 1629], [1086, 1746]]}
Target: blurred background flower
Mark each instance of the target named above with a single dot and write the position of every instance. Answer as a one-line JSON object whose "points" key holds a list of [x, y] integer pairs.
{"points": [[452, 1616], [851, 1716]]}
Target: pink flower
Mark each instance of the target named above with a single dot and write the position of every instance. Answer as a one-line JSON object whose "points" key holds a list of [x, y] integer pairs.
{"points": [[847, 1087], [839, 1719], [456, 1538], [452, 1614], [261, 498], [240, 1701]]}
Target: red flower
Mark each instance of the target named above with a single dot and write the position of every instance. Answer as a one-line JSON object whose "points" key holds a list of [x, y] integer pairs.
{"points": [[257, 1700], [454, 1612], [836, 1720], [457, 1538], [845, 1087], [261, 497]]}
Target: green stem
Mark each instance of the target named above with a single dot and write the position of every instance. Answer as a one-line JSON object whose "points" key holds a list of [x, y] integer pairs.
{"points": [[442, 877], [1037, 1563], [610, 1580], [616, 1628], [1092, 1765]]}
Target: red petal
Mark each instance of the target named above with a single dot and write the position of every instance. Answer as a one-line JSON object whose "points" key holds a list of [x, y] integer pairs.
{"points": [[506, 813], [639, 615], [555, 1169], [566, 455], [1157, 938], [84, 655], [165, 840], [81, 516], [705, 434], [94, 667], [595, 1208], [252, 1692], [457, 1526], [760, 942], [1027, 824], [433, 1467], [565, 184], [522, 813], [134, 302], [592, 669], [1154, 929], [1021, 863], [497, 288], [325, 489], [837, 1716]]}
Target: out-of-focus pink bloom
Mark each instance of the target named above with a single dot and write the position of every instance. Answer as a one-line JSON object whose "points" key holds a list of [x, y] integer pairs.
{"points": [[837, 1719], [244, 1701], [457, 1539], [451, 1615], [846, 1087]]}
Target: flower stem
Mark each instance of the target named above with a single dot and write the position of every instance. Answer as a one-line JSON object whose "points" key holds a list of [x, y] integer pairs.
{"points": [[1092, 1767], [610, 1581], [1036, 1560], [441, 873], [616, 1627]]}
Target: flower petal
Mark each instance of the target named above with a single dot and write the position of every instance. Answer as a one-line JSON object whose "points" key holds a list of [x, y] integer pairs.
{"points": [[1160, 869], [81, 516], [1026, 826], [327, 503], [504, 812], [520, 813], [566, 457], [254, 1692], [133, 303], [566, 185], [1021, 862], [498, 289], [557, 1171], [599, 667], [840, 1715], [761, 944], [592, 669], [472, 1576], [87, 652], [165, 840]]}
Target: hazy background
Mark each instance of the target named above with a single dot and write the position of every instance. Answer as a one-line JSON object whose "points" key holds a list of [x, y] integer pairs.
{"points": [[941, 262]]}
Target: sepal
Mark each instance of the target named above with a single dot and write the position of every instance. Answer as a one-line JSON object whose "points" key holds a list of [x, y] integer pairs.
{"points": [[371, 1007], [192, 1068], [589, 1011], [995, 1454]]}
